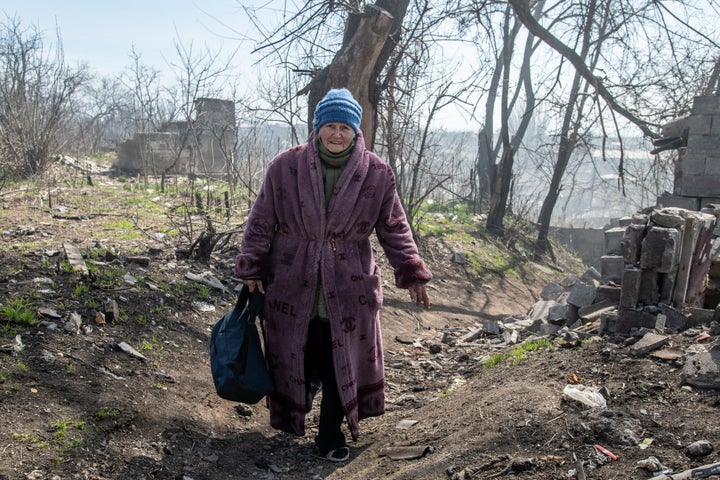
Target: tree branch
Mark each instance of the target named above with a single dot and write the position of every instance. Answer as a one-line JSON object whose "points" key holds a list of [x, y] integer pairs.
{"points": [[522, 10]]}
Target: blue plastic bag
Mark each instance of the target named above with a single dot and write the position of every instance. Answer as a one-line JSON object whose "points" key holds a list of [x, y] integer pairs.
{"points": [[237, 362]]}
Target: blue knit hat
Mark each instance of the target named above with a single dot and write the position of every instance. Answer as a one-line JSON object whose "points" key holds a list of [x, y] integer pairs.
{"points": [[338, 105]]}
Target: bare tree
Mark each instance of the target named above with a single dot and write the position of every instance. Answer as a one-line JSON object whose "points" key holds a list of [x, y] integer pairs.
{"points": [[36, 87], [369, 36]]}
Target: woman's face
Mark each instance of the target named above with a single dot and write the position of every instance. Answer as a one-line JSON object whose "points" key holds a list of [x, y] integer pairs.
{"points": [[336, 136]]}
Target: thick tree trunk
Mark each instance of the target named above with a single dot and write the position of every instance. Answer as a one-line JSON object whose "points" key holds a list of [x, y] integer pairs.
{"points": [[369, 39]]}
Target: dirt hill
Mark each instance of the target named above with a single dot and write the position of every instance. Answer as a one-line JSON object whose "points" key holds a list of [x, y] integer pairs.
{"points": [[76, 405]]}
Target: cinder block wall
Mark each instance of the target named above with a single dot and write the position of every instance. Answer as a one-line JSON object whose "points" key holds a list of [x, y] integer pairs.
{"points": [[698, 173]]}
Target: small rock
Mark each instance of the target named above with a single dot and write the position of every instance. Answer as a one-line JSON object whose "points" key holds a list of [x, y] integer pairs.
{"points": [[701, 448]]}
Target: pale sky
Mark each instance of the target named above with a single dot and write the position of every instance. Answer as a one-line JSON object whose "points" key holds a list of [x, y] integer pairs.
{"points": [[102, 33]]}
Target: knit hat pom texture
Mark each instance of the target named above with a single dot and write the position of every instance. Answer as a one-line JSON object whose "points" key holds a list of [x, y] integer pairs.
{"points": [[338, 105]]}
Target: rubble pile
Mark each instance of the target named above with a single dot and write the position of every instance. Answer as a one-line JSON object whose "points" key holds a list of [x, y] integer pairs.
{"points": [[661, 261]]}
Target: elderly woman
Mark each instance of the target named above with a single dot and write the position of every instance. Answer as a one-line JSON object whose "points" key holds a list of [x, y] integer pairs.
{"points": [[307, 247]]}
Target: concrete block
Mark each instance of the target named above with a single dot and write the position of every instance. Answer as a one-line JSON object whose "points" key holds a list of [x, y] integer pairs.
{"points": [[666, 282], [631, 243], [676, 127], [699, 185], [705, 105], [590, 275], [678, 201], [649, 293], [675, 320], [582, 294], [552, 291], [558, 314], [627, 320], [608, 292], [712, 164], [640, 219], [613, 237], [660, 248], [702, 144], [611, 268], [540, 310], [624, 221], [700, 124], [700, 316], [630, 290], [693, 163]]}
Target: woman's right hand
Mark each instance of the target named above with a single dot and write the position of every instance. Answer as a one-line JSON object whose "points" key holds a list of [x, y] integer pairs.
{"points": [[252, 284]]}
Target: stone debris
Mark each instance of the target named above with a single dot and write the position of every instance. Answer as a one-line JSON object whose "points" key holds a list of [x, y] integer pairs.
{"points": [[131, 351]]}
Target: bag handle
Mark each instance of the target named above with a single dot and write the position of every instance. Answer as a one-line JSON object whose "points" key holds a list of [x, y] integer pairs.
{"points": [[254, 300]]}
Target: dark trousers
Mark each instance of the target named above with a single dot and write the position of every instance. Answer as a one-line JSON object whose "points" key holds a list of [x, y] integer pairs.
{"points": [[319, 366]]}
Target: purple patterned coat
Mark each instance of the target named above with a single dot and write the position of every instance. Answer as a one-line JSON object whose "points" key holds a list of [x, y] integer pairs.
{"points": [[290, 239]]}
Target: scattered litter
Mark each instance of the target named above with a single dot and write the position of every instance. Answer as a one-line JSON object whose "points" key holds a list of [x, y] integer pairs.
{"points": [[606, 452], [15, 347], [646, 442], [203, 306], [652, 465], [74, 323], [588, 396]]}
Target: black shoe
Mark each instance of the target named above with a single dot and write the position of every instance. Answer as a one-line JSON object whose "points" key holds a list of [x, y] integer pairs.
{"points": [[341, 454]]}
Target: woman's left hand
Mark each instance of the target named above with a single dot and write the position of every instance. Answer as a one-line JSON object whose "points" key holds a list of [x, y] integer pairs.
{"points": [[418, 294]]}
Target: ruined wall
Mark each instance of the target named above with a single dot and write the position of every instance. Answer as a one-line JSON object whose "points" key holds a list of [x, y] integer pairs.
{"points": [[202, 147], [668, 257]]}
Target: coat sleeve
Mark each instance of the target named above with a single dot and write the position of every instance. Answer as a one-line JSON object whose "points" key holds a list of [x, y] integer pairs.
{"points": [[395, 236], [253, 260]]}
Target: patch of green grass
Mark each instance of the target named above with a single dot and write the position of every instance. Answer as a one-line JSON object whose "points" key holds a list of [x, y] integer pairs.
{"points": [[81, 290], [122, 229], [106, 276], [149, 345], [20, 311], [105, 413], [63, 428], [519, 353], [204, 292]]}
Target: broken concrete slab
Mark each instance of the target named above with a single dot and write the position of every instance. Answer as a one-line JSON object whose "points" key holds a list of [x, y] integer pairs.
{"points": [[702, 370], [648, 343]]}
